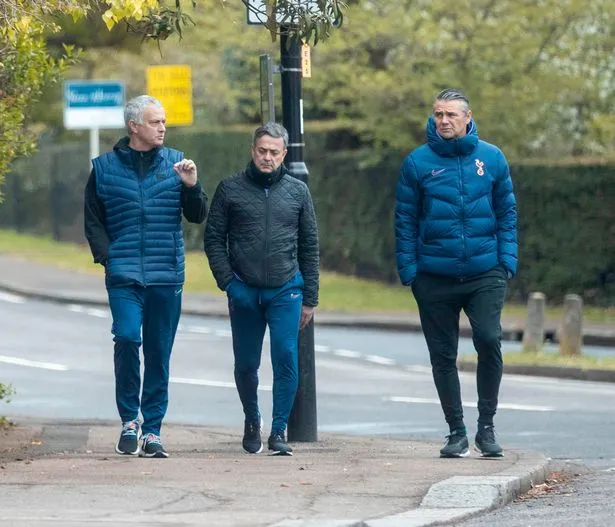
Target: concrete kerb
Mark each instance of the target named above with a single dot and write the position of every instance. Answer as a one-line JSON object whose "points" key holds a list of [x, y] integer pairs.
{"points": [[448, 500]]}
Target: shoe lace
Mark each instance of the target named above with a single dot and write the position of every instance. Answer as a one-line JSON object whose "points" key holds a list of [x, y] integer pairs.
{"points": [[131, 428], [277, 437], [152, 439], [252, 428], [488, 434], [453, 436]]}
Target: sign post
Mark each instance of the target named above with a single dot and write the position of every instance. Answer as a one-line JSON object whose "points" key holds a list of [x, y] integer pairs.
{"points": [[92, 105], [267, 92]]}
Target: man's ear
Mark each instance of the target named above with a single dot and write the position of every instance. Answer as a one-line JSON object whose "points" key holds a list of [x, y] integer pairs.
{"points": [[469, 117]]}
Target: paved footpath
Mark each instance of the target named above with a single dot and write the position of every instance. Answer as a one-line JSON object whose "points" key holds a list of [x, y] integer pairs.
{"points": [[71, 476]]}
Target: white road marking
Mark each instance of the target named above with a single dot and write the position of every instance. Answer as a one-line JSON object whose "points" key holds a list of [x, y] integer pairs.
{"points": [[13, 299], [223, 333], [319, 348], [472, 404], [198, 329], [33, 364], [98, 313], [377, 359], [347, 353], [92, 311], [376, 427], [212, 384], [418, 369]]}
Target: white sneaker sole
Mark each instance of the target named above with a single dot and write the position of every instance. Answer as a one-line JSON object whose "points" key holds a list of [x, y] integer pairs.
{"points": [[465, 453], [482, 454]]}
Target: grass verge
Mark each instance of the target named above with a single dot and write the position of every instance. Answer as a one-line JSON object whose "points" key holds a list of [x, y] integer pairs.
{"points": [[521, 358], [337, 292]]}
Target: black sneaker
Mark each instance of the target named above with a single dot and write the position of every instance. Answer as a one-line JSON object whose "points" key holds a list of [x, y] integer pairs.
{"points": [[128, 443], [456, 445], [278, 445], [252, 442], [485, 442], [152, 447]]}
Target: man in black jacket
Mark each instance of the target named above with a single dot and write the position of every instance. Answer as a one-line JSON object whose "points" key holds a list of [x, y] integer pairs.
{"points": [[261, 240]]}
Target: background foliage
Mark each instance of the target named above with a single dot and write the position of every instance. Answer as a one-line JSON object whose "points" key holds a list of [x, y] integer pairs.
{"points": [[566, 208]]}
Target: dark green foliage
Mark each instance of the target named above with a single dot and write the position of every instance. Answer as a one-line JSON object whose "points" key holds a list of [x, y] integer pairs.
{"points": [[566, 212]]}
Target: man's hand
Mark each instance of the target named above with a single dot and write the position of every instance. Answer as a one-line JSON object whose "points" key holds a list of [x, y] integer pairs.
{"points": [[306, 315], [186, 170]]}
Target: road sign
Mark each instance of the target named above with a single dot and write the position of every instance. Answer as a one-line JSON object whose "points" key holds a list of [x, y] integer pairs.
{"points": [[267, 90], [172, 86], [93, 104], [257, 11]]}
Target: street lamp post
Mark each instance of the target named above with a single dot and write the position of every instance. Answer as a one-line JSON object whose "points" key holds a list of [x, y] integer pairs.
{"points": [[302, 424]]}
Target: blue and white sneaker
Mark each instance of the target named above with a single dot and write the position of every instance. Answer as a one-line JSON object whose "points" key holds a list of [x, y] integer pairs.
{"points": [[128, 443], [151, 446]]}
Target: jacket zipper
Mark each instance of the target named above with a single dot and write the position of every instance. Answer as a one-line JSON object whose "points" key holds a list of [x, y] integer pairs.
{"points": [[267, 227], [463, 234], [142, 212]]}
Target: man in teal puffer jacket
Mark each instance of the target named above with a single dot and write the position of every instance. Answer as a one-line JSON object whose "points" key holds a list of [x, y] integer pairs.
{"points": [[456, 245]]}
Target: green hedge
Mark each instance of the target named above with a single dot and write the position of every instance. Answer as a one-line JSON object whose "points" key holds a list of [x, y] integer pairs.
{"points": [[566, 212]]}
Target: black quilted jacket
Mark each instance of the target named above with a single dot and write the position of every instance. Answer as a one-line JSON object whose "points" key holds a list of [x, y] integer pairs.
{"points": [[263, 235]]}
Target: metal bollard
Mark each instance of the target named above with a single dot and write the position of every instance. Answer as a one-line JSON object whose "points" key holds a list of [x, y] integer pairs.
{"points": [[570, 331], [534, 332]]}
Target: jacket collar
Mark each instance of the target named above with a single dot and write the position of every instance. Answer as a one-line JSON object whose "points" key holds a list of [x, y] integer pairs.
{"points": [[130, 157], [452, 147], [262, 178]]}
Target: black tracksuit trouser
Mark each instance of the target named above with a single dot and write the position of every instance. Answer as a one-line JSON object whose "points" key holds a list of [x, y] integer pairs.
{"points": [[440, 300]]}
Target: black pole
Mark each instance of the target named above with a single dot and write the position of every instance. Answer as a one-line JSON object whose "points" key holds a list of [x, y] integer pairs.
{"points": [[302, 423]]}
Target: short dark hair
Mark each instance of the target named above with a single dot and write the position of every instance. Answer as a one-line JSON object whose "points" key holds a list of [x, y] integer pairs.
{"points": [[271, 129], [452, 94]]}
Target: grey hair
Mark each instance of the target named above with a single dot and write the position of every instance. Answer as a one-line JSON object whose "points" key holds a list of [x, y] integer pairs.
{"points": [[271, 129], [135, 107], [451, 94]]}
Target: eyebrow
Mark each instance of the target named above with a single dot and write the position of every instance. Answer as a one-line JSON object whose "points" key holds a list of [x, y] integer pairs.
{"points": [[440, 112]]}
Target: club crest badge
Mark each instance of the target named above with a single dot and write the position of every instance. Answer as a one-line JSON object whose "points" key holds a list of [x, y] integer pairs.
{"points": [[479, 167]]}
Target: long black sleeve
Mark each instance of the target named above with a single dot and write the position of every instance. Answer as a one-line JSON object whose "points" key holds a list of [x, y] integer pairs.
{"points": [[94, 222], [309, 252], [215, 239], [194, 203]]}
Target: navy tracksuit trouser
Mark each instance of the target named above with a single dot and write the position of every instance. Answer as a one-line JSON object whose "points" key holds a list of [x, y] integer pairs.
{"points": [[440, 300], [251, 310], [153, 312]]}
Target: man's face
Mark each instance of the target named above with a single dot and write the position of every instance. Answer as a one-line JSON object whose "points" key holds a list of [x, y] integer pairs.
{"points": [[150, 133], [451, 118], [268, 153]]}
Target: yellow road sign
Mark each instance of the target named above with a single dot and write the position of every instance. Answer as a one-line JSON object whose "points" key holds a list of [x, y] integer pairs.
{"points": [[172, 86]]}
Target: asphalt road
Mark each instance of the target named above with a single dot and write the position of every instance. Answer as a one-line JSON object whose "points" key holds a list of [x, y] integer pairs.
{"points": [[58, 358]]}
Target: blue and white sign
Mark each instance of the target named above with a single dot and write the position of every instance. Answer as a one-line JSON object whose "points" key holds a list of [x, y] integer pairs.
{"points": [[93, 104]]}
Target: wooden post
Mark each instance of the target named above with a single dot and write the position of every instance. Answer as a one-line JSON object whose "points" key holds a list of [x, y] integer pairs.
{"points": [[534, 332], [570, 332]]}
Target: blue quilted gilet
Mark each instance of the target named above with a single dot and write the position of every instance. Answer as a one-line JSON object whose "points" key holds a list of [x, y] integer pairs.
{"points": [[143, 218]]}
